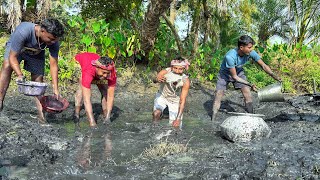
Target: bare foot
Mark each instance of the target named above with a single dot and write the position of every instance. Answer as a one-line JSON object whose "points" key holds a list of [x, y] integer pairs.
{"points": [[42, 121], [92, 123], [76, 118]]}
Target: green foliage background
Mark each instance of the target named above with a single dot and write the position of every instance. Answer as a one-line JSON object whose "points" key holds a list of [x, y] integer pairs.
{"points": [[298, 65]]}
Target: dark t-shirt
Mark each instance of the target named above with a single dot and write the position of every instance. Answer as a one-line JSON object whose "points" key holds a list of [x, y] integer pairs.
{"points": [[24, 41]]}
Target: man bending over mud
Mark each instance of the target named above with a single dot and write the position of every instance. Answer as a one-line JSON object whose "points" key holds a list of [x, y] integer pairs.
{"points": [[173, 82], [100, 71], [231, 70], [28, 42]]}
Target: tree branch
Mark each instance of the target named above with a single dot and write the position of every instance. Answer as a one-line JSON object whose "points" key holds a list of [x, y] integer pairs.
{"points": [[174, 31]]}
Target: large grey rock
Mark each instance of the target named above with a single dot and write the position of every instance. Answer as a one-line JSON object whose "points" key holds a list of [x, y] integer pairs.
{"points": [[244, 128]]}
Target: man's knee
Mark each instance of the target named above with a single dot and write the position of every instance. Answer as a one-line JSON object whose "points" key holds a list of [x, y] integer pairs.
{"points": [[156, 113], [6, 68]]}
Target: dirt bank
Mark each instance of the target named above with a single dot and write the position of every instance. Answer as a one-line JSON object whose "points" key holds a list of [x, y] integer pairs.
{"points": [[131, 148]]}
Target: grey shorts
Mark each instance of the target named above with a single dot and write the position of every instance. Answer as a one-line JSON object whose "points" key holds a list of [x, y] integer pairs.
{"points": [[31, 64], [225, 78]]}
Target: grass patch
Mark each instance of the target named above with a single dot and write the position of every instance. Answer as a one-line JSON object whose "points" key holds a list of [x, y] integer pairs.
{"points": [[163, 149]]}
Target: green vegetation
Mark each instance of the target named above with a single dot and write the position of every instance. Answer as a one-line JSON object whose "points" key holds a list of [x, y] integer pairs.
{"points": [[127, 36]]}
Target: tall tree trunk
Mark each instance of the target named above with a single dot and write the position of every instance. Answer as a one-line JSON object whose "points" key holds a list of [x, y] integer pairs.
{"points": [[173, 12], [195, 27], [151, 23], [207, 18], [14, 14], [223, 20], [175, 33], [43, 7]]}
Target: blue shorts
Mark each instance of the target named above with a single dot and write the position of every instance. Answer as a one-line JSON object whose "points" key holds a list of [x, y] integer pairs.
{"points": [[31, 64], [225, 78]]}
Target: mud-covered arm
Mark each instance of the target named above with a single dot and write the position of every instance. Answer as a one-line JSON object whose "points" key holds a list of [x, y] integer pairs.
{"points": [[183, 97], [86, 92], [234, 75], [268, 70], [54, 73], [110, 100], [14, 63], [160, 76]]}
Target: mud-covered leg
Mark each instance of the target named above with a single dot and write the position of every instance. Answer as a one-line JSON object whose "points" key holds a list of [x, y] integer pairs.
{"points": [[103, 88], [156, 116], [77, 105], [41, 118], [216, 103], [5, 77], [247, 99]]}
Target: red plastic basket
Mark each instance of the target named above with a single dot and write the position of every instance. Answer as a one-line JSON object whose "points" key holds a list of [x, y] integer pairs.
{"points": [[53, 105]]}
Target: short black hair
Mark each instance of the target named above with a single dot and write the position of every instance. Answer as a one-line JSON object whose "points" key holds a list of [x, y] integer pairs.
{"points": [[53, 26], [245, 40], [179, 58], [105, 60]]}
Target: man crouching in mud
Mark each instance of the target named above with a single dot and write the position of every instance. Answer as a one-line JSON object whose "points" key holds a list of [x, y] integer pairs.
{"points": [[173, 81], [100, 71], [231, 70], [28, 42]]}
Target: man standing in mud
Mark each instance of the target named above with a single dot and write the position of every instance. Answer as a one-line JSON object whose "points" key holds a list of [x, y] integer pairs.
{"points": [[100, 71], [28, 42], [231, 70], [173, 82]]}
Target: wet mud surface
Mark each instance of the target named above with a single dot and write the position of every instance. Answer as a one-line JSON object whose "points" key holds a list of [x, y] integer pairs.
{"points": [[131, 147]]}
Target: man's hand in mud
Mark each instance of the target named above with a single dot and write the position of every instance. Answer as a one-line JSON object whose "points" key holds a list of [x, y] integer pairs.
{"points": [[176, 123], [161, 78], [21, 79], [57, 96]]}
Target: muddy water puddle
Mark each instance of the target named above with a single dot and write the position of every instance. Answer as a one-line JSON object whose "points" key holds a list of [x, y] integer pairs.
{"points": [[108, 151]]}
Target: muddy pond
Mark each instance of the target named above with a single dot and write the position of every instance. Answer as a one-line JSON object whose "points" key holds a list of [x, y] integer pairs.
{"points": [[132, 148]]}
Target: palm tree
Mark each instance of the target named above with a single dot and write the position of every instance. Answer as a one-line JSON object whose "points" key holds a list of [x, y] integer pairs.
{"points": [[271, 19], [306, 15]]}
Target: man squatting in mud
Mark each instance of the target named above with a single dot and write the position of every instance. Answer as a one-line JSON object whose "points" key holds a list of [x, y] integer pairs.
{"points": [[100, 71], [28, 42], [173, 81], [231, 70]]}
